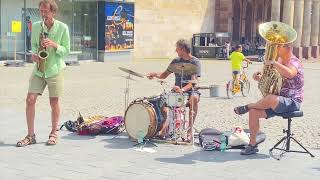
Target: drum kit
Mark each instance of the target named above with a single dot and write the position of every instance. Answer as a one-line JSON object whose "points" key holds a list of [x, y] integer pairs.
{"points": [[144, 117]]}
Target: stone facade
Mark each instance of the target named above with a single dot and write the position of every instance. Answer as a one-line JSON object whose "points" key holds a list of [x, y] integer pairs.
{"points": [[244, 16], [160, 23]]}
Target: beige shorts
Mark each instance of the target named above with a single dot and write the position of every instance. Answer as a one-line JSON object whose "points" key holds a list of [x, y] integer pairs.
{"points": [[55, 85]]}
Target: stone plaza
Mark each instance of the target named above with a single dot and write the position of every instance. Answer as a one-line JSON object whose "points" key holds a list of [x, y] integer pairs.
{"points": [[98, 88]]}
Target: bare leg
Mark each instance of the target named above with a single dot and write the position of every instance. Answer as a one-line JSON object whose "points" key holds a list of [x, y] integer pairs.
{"points": [[254, 125], [30, 112], [165, 124], [193, 110], [270, 101], [55, 114]]}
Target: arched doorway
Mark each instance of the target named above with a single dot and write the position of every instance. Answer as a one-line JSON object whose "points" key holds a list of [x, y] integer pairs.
{"points": [[249, 22], [236, 29], [268, 11]]}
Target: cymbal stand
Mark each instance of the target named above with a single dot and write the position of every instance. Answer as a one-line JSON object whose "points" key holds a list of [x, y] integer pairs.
{"points": [[181, 75], [126, 92], [144, 143], [192, 116]]}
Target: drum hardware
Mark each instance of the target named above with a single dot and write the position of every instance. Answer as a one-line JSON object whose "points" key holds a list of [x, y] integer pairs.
{"points": [[186, 69], [194, 81], [202, 87], [127, 89], [163, 83], [144, 142]]}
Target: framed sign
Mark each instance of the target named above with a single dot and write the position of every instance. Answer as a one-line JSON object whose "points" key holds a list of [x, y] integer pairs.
{"points": [[119, 26], [16, 26]]}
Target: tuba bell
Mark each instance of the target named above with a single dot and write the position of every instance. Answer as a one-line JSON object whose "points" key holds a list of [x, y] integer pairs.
{"points": [[42, 51], [275, 34]]}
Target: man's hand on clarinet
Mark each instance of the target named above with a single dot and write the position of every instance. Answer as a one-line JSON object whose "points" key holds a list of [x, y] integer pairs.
{"points": [[49, 43], [35, 58]]}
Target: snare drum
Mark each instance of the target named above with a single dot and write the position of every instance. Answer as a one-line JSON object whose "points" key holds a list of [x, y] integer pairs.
{"points": [[176, 99], [144, 116]]}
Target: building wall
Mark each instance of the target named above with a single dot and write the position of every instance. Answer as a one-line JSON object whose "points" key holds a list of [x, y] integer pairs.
{"points": [[13, 10], [160, 23]]}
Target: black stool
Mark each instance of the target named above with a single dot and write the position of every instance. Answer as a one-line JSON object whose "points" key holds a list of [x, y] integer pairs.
{"points": [[286, 139]]}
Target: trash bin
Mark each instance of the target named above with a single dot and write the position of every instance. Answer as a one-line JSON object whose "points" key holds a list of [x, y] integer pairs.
{"points": [[215, 90]]}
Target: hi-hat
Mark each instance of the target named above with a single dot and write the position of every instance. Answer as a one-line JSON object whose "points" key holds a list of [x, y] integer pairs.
{"points": [[131, 72], [191, 81], [186, 68]]}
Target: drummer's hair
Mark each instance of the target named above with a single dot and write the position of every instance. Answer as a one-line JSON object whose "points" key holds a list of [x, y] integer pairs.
{"points": [[184, 44]]}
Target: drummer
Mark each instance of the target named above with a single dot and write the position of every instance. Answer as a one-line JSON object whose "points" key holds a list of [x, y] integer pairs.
{"points": [[191, 71]]}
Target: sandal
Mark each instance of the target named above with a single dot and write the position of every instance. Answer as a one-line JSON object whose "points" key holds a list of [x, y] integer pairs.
{"points": [[28, 140], [250, 149], [52, 139], [241, 110]]}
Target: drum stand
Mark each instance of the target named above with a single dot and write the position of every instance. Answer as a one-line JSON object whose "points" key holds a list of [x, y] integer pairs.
{"points": [[145, 142]]}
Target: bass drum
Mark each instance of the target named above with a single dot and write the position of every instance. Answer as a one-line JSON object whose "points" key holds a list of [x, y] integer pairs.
{"points": [[143, 118]]}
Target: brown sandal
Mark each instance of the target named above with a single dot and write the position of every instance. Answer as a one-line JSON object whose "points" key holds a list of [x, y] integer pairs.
{"points": [[52, 139], [28, 140]]}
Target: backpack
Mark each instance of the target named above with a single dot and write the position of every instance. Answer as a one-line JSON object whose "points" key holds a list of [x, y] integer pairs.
{"points": [[210, 139], [73, 125]]}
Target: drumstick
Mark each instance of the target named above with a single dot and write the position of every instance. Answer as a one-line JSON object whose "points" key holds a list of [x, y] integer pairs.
{"points": [[171, 142]]}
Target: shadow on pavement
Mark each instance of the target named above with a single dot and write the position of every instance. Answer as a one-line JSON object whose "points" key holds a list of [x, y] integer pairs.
{"points": [[122, 141], [75, 136], [3, 144], [119, 142], [318, 168], [210, 156]]}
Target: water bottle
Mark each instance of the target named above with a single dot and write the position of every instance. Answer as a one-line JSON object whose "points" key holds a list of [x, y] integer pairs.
{"points": [[223, 143], [140, 136]]}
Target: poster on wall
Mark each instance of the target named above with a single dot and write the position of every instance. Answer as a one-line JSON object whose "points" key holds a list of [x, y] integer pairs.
{"points": [[119, 26]]}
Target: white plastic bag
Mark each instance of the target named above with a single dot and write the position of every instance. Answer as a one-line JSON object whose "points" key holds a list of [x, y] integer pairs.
{"points": [[238, 137]]}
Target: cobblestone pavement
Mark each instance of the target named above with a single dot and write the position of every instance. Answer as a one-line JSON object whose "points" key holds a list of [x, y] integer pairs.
{"points": [[97, 88]]}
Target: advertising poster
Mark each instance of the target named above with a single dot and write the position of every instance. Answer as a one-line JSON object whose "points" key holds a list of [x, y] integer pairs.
{"points": [[119, 26]]}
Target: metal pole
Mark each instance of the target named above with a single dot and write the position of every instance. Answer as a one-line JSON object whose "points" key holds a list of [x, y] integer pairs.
{"points": [[24, 27], [72, 25], [97, 34]]}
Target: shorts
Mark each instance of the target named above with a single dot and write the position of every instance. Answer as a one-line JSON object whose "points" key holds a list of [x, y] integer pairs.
{"points": [[195, 93], [55, 85], [235, 73], [285, 105]]}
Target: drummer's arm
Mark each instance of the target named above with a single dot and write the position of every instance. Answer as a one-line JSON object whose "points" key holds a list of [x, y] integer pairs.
{"points": [[162, 75]]}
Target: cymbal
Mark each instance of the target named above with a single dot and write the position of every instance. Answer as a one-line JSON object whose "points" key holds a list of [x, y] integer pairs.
{"points": [[187, 68], [191, 81], [131, 72]]}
